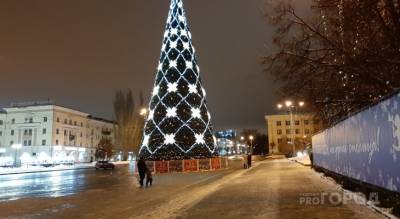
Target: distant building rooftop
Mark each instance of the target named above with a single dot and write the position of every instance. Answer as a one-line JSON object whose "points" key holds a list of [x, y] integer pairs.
{"points": [[50, 103], [32, 103]]}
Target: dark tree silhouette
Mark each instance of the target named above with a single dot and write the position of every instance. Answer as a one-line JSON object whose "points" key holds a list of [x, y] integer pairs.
{"points": [[342, 58]]}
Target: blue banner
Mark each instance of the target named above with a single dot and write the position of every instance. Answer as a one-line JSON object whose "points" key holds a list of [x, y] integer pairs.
{"points": [[365, 146]]}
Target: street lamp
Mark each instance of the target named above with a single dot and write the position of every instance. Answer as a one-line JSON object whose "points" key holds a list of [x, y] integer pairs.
{"points": [[251, 144], [143, 112], [16, 147], [290, 107], [288, 103]]}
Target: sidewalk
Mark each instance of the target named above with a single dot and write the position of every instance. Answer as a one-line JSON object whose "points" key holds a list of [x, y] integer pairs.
{"points": [[38, 169], [275, 189]]}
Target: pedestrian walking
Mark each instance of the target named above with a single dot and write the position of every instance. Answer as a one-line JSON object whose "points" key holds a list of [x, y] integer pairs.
{"points": [[142, 168], [149, 178]]}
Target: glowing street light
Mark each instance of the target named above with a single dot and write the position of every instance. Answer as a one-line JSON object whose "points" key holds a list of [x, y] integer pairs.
{"points": [[288, 103], [251, 144], [290, 106], [16, 147], [143, 112]]}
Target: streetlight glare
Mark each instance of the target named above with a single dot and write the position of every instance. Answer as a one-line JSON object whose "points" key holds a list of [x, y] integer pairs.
{"points": [[280, 106], [288, 103], [301, 103], [143, 112], [242, 138], [16, 146], [251, 137]]}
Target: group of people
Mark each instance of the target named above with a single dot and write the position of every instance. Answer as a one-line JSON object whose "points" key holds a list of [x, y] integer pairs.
{"points": [[144, 172]]}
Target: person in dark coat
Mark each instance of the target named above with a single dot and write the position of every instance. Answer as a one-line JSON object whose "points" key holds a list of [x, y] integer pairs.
{"points": [[142, 168], [249, 160]]}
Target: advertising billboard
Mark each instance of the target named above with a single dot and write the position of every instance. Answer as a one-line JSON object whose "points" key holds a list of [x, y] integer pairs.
{"points": [[366, 146]]}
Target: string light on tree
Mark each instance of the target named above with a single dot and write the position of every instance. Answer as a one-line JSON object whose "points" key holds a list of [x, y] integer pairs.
{"points": [[178, 124], [192, 88], [172, 87], [169, 139], [171, 112], [196, 113]]}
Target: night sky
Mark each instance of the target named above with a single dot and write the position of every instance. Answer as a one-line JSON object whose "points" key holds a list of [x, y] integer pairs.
{"points": [[78, 53]]}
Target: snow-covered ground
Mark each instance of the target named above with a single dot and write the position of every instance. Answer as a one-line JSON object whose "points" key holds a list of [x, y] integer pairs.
{"points": [[33, 169], [302, 159], [270, 189]]}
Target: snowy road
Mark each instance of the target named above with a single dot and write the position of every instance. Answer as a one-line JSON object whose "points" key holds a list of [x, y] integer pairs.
{"points": [[271, 189]]}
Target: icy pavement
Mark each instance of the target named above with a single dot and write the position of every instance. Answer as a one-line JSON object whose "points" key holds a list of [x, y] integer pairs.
{"points": [[37, 169], [271, 189]]}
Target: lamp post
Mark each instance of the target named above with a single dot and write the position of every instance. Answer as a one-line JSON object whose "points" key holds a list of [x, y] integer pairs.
{"points": [[290, 106], [242, 140], [251, 144], [16, 147]]}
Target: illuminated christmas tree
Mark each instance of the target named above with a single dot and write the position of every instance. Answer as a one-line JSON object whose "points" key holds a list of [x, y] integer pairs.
{"points": [[178, 123]]}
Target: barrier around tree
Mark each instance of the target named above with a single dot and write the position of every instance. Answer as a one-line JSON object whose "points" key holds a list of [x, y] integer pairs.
{"points": [[193, 165]]}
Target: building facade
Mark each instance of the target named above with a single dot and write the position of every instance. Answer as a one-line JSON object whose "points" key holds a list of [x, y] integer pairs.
{"points": [[286, 129], [44, 132]]}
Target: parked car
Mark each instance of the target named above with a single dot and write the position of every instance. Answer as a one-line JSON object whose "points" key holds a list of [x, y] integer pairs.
{"points": [[104, 165]]}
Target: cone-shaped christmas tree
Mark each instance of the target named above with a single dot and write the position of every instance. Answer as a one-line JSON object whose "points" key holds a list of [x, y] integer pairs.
{"points": [[178, 124]]}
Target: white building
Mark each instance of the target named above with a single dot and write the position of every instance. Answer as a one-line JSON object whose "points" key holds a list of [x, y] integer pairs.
{"points": [[285, 129], [44, 132]]}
